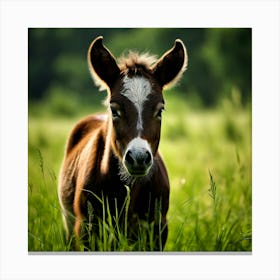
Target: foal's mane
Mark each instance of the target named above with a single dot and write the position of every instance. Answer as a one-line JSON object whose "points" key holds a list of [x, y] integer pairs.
{"points": [[134, 60]]}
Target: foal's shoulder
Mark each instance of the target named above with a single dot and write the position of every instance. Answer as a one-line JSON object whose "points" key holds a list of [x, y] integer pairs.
{"points": [[84, 127]]}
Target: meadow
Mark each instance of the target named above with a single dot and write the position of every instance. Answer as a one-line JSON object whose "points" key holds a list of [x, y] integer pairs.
{"points": [[209, 160]]}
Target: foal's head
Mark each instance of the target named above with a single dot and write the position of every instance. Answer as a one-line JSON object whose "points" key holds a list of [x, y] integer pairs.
{"points": [[136, 102]]}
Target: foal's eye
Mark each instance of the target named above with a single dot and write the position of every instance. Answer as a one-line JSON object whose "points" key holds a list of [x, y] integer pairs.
{"points": [[159, 112], [116, 114]]}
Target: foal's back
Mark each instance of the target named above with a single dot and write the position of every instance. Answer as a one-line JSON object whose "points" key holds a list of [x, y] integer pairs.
{"points": [[90, 126], [78, 153]]}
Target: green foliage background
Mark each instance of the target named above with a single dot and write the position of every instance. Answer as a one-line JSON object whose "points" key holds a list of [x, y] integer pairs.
{"points": [[219, 59], [206, 131]]}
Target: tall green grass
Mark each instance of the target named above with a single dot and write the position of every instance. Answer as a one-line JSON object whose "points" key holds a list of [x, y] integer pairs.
{"points": [[208, 157], [112, 235]]}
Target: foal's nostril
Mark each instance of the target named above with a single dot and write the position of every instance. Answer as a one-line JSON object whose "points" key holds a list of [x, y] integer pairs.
{"points": [[148, 158], [128, 158], [140, 159], [143, 159]]}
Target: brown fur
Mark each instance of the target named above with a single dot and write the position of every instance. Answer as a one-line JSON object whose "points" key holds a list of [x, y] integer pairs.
{"points": [[96, 147]]}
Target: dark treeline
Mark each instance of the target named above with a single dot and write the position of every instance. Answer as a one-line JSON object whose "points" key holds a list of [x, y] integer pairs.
{"points": [[219, 60]]}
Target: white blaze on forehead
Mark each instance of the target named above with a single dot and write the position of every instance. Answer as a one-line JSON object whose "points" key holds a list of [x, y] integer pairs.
{"points": [[137, 89]]}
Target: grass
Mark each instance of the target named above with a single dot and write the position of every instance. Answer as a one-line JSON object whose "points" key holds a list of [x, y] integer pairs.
{"points": [[208, 157], [112, 235]]}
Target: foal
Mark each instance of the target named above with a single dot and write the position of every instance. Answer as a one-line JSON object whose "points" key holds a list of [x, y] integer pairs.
{"points": [[106, 154]]}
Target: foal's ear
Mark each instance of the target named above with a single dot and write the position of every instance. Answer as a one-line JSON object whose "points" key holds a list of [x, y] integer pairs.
{"points": [[102, 64], [171, 65]]}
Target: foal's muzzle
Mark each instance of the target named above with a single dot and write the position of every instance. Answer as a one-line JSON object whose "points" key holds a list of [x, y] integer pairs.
{"points": [[138, 158]]}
